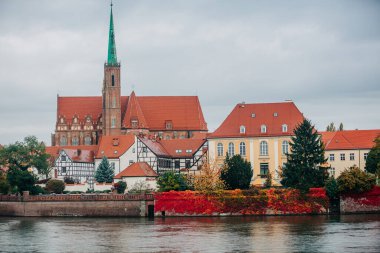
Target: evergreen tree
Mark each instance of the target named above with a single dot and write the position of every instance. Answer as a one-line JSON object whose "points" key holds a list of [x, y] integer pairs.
{"points": [[331, 127], [302, 169], [104, 172], [237, 173], [372, 164], [341, 127]]}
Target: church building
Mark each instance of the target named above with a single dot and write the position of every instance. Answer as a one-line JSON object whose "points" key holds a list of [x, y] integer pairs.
{"points": [[84, 120]]}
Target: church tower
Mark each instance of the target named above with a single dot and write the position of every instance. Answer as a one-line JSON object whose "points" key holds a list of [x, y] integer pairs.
{"points": [[111, 114]]}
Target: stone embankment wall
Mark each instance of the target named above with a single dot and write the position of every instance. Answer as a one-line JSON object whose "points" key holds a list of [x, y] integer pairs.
{"points": [[76, 205], [368, 202]]}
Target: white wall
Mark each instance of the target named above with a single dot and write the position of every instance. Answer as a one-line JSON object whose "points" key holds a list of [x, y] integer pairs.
{"points": [[151, 181]]}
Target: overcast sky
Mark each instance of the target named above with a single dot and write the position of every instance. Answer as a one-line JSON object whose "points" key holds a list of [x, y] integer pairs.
{"points": [[324, 55]]}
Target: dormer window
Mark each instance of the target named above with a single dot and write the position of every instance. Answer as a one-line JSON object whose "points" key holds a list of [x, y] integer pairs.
{"points": [[275, 114], [242, 129], [253, 115], [75, 120], [284, 128], [134, 123], [88, 119], [263, 128], [168, 124], [62, 120]]}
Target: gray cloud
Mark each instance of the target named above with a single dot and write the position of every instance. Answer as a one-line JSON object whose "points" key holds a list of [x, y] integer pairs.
{"points": [[325, 55]]}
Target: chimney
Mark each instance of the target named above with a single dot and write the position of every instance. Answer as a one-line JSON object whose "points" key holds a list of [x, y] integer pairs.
{"points": [[115, 141]]}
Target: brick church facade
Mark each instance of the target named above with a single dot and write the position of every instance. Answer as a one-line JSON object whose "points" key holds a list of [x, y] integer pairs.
{"points": [[83, 120]]}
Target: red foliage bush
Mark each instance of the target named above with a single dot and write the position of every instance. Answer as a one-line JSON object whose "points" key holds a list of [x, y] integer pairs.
{"points": [[277, 201]]}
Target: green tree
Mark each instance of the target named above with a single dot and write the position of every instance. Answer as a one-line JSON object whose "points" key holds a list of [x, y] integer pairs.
{"points": [[341, 127], [236, 173], [372, 164], [104, 172], [55, 186], [21, 180], [23, 155], [268, 180], [120, 187], [4, 185], [303, 167], [354, 180], [331, 127], [332, 189], [171, 181]]}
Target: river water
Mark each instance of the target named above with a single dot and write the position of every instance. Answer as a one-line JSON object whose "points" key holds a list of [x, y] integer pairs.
{"points": [[351, 233]]}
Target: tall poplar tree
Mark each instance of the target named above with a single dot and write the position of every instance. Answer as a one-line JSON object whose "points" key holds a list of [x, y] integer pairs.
{"points": [[302, 169], [104, 173]]}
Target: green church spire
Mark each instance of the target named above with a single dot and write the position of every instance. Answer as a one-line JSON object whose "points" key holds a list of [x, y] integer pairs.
{"points": [[111, 59]]}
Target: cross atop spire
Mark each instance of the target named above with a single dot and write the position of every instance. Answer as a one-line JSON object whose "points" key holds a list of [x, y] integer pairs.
{"points": [[111, 59]]}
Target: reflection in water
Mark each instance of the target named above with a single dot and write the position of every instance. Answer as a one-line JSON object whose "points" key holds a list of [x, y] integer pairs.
{"points": [[355, 233]]}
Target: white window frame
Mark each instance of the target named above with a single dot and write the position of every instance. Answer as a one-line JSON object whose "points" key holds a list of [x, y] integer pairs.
{"points": [[263, 148], [285, 147], [231, 149], [284, 128], [219, 148], [242, 148], [263, 129], [242, 129]]}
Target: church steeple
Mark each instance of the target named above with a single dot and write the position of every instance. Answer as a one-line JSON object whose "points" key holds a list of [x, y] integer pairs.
{"points": [[111, 115], [111, 59]]}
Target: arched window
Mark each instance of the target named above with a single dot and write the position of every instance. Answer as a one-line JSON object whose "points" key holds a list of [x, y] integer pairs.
{"points": [[242, 148], [263, 148], [284, 128], [220, 149], [75, 141], [263, 128], [113, 122], [285, 146], [113, 80], [242, 129], [63, 141], [231, 149], [87, 140]]}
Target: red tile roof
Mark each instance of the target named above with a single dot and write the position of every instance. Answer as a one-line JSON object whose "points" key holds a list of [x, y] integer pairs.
{"points": [[140, 169], [114, 146], [349, 139], [242, 115], [80, 155], [76, 153], [134, 112], [185, 112], [175, 148]]}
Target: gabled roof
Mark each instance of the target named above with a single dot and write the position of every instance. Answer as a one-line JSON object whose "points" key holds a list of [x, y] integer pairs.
{"points": [[139, 169], [184, 112], [134, 112], [349, 139], [80, 153], [114, 146], [175, 148], [253, 116]]}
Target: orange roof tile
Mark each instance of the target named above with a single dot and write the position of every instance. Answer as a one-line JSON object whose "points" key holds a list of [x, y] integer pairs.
{"points": [[76, 153], [114, 146], [252, 116], [185, 112], [134, 112], [349, 139], [139, 169]]}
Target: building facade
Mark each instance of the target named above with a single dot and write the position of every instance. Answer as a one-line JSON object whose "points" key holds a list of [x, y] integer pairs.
{"points": [[83, 120], [347, 148], [260, 133]]}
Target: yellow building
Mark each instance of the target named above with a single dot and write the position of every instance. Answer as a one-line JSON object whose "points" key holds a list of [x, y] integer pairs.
{"points": [[260, 133], [347, 148]]}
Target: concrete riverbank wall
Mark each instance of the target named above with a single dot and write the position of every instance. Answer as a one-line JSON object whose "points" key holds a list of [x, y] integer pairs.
{"points": [[88, 205]]}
